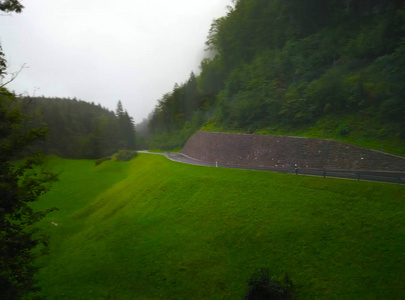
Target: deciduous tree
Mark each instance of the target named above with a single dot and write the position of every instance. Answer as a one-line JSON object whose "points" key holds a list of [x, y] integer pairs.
{"points": [[21, 183]]}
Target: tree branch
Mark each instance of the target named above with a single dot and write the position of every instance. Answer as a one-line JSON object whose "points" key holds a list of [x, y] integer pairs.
{"points": [[14, 75]]}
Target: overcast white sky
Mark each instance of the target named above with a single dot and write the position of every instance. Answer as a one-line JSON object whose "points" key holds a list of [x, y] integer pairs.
{"points": [[104, 51]]}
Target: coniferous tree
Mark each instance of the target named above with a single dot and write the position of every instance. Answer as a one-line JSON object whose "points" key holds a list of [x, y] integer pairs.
{"points": [[119, 110], [192, 97], [130, 133], [126, 128]]}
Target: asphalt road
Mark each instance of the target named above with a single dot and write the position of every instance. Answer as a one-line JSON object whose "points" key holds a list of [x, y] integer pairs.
{"points": [[380, 176]]}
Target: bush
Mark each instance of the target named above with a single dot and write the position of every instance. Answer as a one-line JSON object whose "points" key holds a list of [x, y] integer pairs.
{"points": [[101, 160], [342, 130], [124, 155], [121, 155], [262, 287]]}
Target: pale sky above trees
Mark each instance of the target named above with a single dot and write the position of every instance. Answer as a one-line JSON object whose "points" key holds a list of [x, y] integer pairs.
{"points": [[102, 52]]}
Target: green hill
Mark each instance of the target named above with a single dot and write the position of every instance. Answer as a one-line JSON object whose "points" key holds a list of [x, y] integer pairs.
{"points": [[318, 68], [155, 229]]}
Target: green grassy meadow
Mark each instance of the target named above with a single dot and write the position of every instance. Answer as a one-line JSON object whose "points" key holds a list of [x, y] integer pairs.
{"points": [[155, 229]]}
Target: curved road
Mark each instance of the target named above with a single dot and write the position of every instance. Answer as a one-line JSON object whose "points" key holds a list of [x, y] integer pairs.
{"points": [[381, 176]]}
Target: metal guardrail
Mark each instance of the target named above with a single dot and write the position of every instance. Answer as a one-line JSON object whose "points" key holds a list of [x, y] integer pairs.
{"points": [[379, 176]]}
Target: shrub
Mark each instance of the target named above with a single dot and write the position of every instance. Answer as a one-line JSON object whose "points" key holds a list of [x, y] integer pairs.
{"points": [[101, 160], [124, 155], [121, 155], [342, 130], [262, 287]]}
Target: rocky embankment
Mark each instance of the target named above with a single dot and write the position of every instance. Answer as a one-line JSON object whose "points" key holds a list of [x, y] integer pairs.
{"points": [[282, 152]]}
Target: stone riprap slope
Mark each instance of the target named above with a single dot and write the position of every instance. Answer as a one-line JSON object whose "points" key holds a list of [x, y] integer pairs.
{"points": [[282, 152]]}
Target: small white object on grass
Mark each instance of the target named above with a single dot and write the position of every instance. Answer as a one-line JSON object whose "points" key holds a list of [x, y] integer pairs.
{"points": [[53, 223]]}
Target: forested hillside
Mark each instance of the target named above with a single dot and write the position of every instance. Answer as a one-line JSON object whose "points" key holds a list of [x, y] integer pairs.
{"points": [[78, 129], [324, 68]]}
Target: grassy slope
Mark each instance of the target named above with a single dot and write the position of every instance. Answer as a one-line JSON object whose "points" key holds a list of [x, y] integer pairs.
{"points": [[152, 228]]}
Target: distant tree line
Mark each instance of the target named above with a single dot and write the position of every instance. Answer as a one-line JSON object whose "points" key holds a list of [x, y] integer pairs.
{"points": [[288, 63], [78, 129]]}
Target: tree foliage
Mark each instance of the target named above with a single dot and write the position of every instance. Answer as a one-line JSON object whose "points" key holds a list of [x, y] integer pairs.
{"points": [[9, 6], [20, 184]]}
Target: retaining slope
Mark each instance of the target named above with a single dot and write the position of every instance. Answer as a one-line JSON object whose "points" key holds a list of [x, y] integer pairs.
{"points": [[282, 152]]}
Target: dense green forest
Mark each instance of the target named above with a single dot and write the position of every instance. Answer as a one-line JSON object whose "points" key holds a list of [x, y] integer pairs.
{"points": [[78, 129], [333, 68]]}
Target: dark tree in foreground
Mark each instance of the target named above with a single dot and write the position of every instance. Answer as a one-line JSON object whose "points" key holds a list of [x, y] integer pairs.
{"points": [[21, 183], [262, 287]]}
